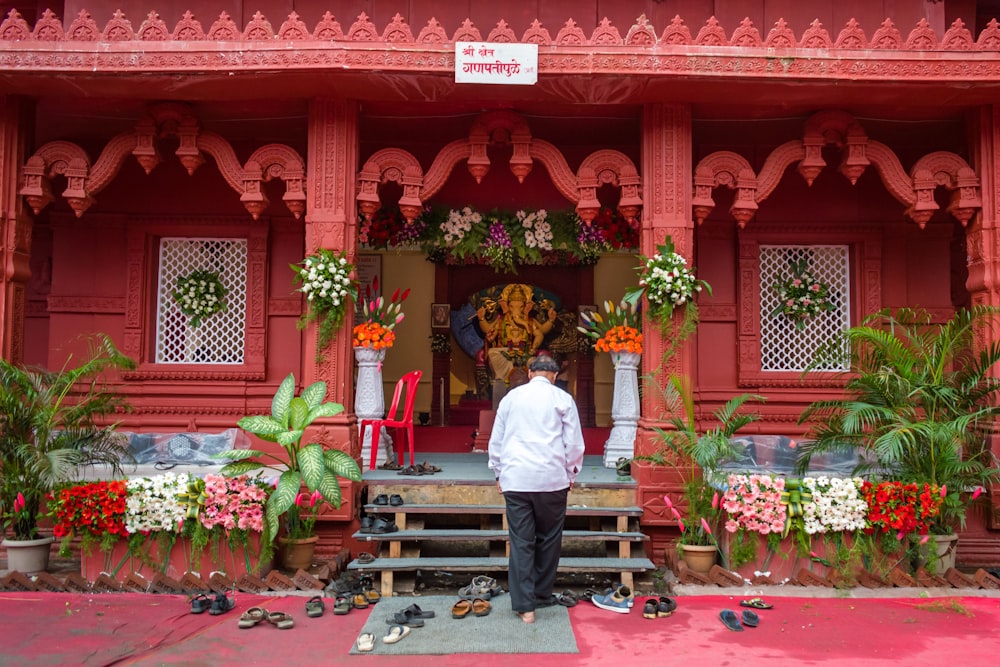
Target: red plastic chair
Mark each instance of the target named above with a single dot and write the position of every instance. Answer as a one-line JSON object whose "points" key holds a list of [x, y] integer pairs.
{"points": [[409, 381]]}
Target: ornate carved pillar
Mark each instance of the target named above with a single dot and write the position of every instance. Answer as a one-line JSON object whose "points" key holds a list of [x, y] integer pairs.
{"points": [[330, 223], [15, 227], [983, 244], [667, 173]]}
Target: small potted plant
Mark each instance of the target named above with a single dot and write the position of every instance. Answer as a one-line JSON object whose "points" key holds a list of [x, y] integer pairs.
{"points": [[49, 429], [309, 466], [697, 456]]}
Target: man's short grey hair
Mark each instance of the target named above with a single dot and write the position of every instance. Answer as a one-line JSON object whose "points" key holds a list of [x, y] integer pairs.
{"points": [[544, 364]]}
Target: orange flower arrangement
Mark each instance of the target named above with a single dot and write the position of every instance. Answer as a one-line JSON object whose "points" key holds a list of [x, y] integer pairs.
{"points": [[373, 335], [622, 338], [616, 331]]}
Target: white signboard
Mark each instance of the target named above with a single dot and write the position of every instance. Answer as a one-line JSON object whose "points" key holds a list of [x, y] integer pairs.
{"points": [[494, 62]]}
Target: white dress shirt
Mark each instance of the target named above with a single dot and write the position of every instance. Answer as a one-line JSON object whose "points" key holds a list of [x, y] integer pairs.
{"points": [[536, 443]]}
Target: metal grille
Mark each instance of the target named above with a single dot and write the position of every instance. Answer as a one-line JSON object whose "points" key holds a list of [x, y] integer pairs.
{"points": [[220, 337], [784, 347]]}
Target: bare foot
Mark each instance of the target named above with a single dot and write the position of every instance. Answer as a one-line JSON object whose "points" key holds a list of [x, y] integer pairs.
{"points": [[527, 616]]}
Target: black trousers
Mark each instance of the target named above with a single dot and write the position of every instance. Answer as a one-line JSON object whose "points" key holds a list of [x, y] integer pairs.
{"points": [[535, 522]]}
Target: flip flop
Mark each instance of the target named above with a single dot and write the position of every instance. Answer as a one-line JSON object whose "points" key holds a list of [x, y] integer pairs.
{"points": [[567, 599], [315, 606], [405, 618], [756, 603], [280, 620], [730, 620], [200, 603], [252, 617], [366, 642], [750, 619], [396, 633]]}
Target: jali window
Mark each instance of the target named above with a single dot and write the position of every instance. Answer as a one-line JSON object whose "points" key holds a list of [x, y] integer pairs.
{"points": [[789, 341], [218, 337]]}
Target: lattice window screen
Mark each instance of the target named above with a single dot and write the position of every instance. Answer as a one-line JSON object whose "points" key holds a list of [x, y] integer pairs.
{"points": [[784, 347], [220, 338]]}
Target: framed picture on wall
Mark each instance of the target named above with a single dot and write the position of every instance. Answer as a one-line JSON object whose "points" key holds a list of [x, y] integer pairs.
{"points": [[579, 314], [440, 316]]}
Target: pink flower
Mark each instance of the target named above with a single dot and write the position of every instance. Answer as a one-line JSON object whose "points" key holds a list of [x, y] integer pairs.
{"points": [[667, 501], [704, 524], [944, 490], [975, 494], [300, 498], [715, 500], [923, 540], [680, 524]]}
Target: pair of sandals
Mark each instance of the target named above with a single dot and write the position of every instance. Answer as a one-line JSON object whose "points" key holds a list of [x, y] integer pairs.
{"points": [[219, 605], [659, 607], [411, 617], [366, 641], [255, 615], [419, 469], [481, 587], [732, 621], [476, 607], [382, 499]]}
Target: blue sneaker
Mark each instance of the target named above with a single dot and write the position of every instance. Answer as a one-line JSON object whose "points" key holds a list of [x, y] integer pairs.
{"points": [[618, 602]]}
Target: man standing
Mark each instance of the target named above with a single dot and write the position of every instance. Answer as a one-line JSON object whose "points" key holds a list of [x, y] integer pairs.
{"points": [[536, 452]]}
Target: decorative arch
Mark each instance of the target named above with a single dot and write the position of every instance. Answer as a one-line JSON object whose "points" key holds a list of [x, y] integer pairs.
{"points": [[605, 166], [83, 181], [916, 189]]}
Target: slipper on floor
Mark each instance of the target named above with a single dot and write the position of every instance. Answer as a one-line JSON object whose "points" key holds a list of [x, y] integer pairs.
{"points": [[567, 599], [315, 607], [221, 604], [649, 609], [428, 468], [252, 617], [756, 603], [750, 619], [461, 609], [396, 633], [405, 618], [481, 607], [365, 558], [200, 603], [281, 620], [372, 595], [730, 620], [417, 612], [342, 605], [390, 464], [366, 642], [359, 601]]}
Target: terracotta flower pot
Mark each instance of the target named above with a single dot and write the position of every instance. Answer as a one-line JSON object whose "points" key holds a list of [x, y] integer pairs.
{"points": [[28, 556], [297, 554], [699, 558]]}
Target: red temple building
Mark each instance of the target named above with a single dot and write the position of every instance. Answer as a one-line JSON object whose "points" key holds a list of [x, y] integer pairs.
{"points": [[863, 136]]}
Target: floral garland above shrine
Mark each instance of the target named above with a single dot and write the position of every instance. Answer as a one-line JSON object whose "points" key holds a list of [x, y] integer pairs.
{"points": [[499, 239]]}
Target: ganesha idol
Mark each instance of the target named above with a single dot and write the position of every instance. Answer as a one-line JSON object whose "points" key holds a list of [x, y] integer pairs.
{"points": [[512, 330]]}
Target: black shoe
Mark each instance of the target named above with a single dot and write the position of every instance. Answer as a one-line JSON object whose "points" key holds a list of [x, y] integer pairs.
{"points": [[381, 527], [550, 601], [381, 499], [366, 524], [395, 500]]}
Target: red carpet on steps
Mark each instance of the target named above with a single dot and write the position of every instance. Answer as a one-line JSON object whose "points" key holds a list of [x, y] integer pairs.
{"points": [[56, 629], [459, 439]]}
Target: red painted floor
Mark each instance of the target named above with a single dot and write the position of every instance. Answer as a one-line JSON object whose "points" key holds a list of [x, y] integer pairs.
{"points": [[48, 629]]}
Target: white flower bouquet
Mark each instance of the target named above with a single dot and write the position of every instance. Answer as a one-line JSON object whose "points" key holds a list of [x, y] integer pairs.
{"points": [[327, 280], [199, 295]]}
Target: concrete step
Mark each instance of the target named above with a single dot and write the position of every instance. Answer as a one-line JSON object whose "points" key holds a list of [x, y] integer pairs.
{"points": [[473, 535]]}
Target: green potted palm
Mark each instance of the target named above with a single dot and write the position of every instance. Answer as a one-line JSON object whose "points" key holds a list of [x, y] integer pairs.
{"points": [[50, 427], [919, 405], [698, 456], [311, 466]]}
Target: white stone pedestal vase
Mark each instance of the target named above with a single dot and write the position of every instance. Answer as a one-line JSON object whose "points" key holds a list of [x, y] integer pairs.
{"points": [[624, 408], [369, 403]]}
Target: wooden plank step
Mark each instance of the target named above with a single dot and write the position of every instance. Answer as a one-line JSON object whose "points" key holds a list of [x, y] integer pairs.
{"points": [[432, 508], [477, 564], [473, 534]]}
